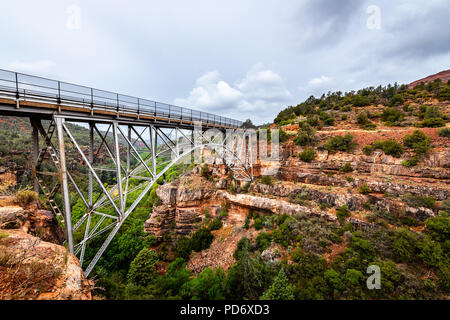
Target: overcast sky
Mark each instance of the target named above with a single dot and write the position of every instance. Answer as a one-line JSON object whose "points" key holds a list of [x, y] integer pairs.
{"points": [[237, 58]]}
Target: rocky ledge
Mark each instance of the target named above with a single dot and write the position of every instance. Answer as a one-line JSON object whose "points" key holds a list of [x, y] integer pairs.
{"points": [[33, 263]]}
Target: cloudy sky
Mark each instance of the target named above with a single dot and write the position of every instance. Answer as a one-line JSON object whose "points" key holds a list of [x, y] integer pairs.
{"points": [[237, 58]]}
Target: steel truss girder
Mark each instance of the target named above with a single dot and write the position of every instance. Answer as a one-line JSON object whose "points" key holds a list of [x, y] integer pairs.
{"points": [[162, 151]]}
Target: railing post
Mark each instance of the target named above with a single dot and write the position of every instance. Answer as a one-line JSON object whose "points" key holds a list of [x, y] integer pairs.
{"points": [[169, 112], [155, 110], [59, 92], [17, 86], [118, 112], [138, 106]]}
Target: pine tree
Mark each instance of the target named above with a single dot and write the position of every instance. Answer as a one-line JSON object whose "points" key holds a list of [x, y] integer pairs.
{"points": [[280, 289]]}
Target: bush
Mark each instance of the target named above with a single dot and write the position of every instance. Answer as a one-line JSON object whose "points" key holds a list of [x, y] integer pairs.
{"points": [[306, 135], [392, 116], [346, 168], [396, 100], [418, 201], [282, 136], [430, 112], [432, 254], [410, 162], [432, 123], [201, 240], [340, 143], [418, 141], [307, 155], [360, 101], [444, 132], [266, 179], [258, 224], [367, 150], [342, 213], [404, 245], [223, 209], [365, 189], [183, 248], [216, 224], [263, 241], [389, 147], [362, 119], [438, 227], [142, 268], [25, 197]]}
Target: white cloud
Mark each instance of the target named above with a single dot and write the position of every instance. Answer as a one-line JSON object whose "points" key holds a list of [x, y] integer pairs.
{"points": [[318, 85], [257, 95], [37, 67], [319, 81]]}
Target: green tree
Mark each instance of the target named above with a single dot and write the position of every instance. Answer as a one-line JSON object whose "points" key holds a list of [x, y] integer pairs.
{"points": [[208, 285], [142, 268], [280, 288]]}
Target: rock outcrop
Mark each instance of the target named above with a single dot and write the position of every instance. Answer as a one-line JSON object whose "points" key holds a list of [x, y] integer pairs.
{"points": [[33, 262]]}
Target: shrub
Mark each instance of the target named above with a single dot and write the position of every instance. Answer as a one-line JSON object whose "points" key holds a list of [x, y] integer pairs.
{"points": [[258, 224], [362, 119], [418, 201], [205, 173], [183, 248], [367, 150], [346, 168], [216, 224], [25, 197], [266, 179], [247, 223], [410, 162], [430, 112], [365, 189], [418, 141], [201, 240], [282, 136], [397, 99], [340, 143], [444, 93], [438, 227], [307, 155], [404, 245], [360, 101], [444, 132], [432, 123], [432, 254], [389, 147], [392, 116], [342, 213], [306, 135], [223, 209], [263, 241], [142, 268]]}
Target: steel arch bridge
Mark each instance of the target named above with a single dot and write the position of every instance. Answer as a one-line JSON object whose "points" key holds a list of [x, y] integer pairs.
{"points": [[141, 139]]}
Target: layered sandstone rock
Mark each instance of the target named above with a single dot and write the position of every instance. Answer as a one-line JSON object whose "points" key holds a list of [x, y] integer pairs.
{"points": [[33, 262], [36, 269], [37, 222]]}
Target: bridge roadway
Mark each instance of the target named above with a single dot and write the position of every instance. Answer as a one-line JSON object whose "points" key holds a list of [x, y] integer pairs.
{"points": [[32, 96]]}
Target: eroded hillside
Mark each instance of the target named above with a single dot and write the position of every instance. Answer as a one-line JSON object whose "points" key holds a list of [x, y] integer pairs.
{"points": [[363, 180]]}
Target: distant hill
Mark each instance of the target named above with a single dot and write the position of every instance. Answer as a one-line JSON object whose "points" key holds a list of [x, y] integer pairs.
{"points": [[443, 75]]}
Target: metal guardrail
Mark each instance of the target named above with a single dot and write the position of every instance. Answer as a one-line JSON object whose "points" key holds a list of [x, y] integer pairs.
{"points": [[26, 86]]}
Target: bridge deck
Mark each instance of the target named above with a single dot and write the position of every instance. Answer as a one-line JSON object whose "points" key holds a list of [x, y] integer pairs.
{"points": [[26, 95]]}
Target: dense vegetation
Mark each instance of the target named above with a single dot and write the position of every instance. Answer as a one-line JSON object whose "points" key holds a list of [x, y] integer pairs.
{"points": [[324, 111], [304, 273]]}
